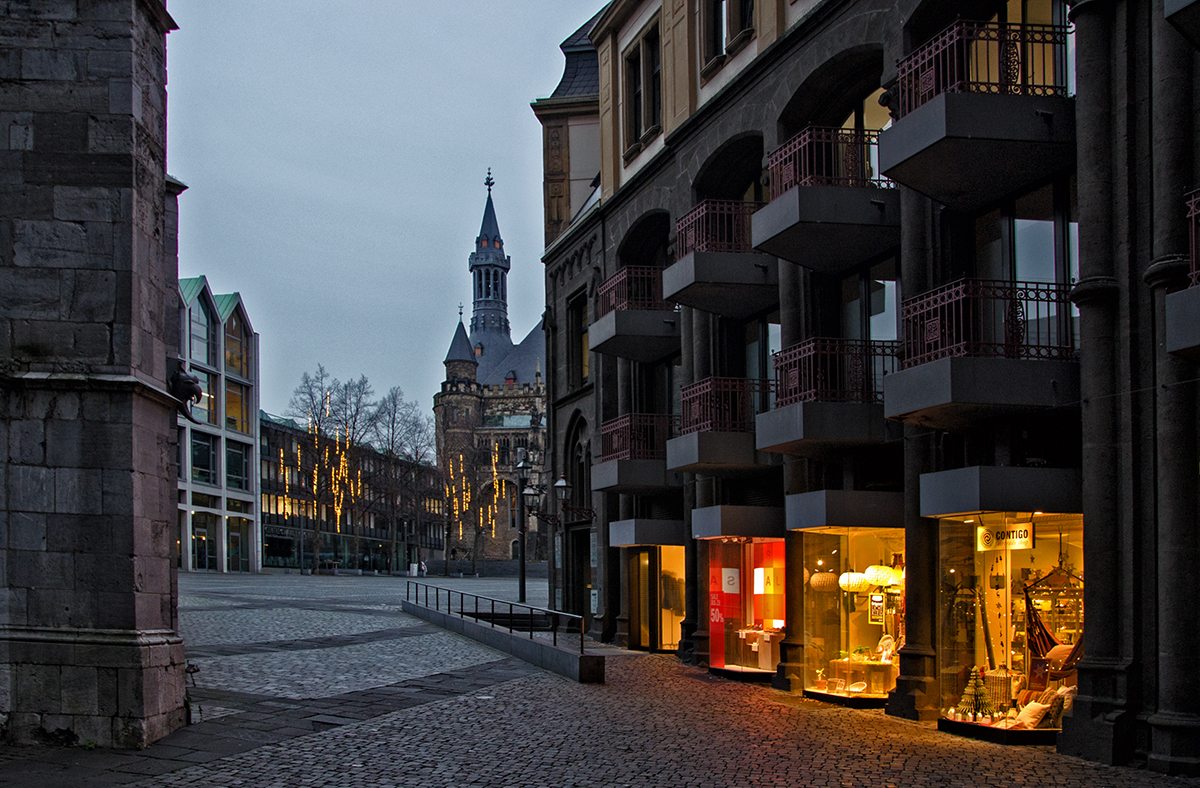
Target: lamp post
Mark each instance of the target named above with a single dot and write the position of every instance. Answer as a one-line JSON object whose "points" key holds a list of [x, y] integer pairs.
{"points": [[523, 468]]}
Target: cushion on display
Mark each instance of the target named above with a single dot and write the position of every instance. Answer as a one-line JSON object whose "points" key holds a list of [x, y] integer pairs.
{"points": [[1047, 696], [1053, 716], [1057, 654], [1032, 714]]}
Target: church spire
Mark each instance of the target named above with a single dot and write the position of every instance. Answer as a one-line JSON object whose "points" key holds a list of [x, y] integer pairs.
{"points": [[489, 275]]}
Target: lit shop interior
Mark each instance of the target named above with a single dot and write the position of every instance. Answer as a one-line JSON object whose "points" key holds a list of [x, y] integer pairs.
{"points": [[1011, 622], [656, 596], [853, 613], [746, 610]]}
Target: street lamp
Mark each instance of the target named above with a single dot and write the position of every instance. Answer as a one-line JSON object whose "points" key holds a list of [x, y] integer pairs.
{"points": [[523, 469]]}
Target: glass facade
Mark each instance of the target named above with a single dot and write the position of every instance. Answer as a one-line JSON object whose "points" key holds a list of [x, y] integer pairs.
{"points": [[746, 603], [204, 541], [656, 597], [1011, 631], [204, 458], [238, 544], [853, 610]]}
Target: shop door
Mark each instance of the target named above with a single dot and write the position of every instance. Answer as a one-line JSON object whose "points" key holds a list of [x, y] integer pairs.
{"points": [[641, 569], [656, 604], [579, 574]]}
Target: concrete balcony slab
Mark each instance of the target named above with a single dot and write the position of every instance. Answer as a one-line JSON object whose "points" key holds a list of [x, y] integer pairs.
{"points": [[634, 476], [952, 393], [987, 488], [1183, 323], [828, 228], [844, 508], [640, 531], [637, 334], [968, 150], [731, 284], [806, 428], [716, 453], [712, 522], [1185, 16]]}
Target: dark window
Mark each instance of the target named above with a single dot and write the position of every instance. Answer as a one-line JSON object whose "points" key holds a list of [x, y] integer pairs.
{"points": [[237, 465], [643, 88], [577, 353], [204, 458], [237, 347]]}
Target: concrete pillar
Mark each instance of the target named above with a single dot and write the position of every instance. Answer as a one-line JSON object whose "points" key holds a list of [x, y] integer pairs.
{"points": [[695, 613], [88, 318]]}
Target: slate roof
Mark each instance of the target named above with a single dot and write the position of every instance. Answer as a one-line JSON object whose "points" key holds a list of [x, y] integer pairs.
{"points": [[524, 359], [460, 347], [581, 76], [490, 228]]}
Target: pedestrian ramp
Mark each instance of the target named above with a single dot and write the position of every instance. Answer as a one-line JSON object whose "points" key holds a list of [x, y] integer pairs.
{"points": [[550, 639]]}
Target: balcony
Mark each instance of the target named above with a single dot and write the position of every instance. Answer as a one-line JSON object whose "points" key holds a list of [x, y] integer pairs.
{"points": [[716, 268], [830, 208], [1183, 307], [634, 320], [984, 111], [1185, 16], [979, 349], [829, 393], [717, 427], [634, 453]]}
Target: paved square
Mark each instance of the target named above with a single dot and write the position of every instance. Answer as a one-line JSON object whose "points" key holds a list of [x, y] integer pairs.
{"points": [[323, 682]]}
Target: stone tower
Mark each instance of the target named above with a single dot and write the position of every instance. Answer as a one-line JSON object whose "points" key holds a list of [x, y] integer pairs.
{"points": [[458, 411], [89, 650], [489, 266]]}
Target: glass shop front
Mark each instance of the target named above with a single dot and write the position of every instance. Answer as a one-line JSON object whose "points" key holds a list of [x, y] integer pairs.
{"points": [[853, 611], [1011, 618], [656, 597], [746, 610]]}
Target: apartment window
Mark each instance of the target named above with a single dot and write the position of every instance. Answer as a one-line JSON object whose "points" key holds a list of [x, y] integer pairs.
{"points": [[715, 20], [237, 465], [578, 351], [237, 407], [203, 336], [204, 458], [237, 347], [643, 89], [206, 409]]}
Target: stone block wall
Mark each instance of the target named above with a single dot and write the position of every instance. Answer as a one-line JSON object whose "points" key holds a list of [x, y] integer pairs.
{"points": [[88, 316]]}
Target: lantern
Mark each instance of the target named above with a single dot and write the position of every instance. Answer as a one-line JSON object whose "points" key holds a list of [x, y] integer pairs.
{"points": [[823, 581], [879, 575]]}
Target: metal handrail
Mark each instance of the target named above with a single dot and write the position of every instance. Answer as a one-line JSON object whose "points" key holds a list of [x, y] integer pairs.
{"points": [[826, 369], [412, 593], [822, 156], [1193, 215], [634, 287], [720, 404], [985, 57], [637, 436], [716, 226]]}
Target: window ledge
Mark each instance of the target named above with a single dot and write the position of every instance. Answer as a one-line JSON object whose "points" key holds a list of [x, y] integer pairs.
{"points": [[739, 41], [632, 151], [712, 66], [649, 134]]}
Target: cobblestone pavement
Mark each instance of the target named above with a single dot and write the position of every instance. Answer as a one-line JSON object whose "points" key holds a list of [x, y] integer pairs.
{"points": [[359, 694]]}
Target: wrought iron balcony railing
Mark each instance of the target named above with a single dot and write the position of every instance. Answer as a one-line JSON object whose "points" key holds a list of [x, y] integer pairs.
{"points": [[724, 404], [978, 317], [633, 287], [1193, 212], [637, 436], [834, 370], [985, 57], [716, 226], [821, 156]]}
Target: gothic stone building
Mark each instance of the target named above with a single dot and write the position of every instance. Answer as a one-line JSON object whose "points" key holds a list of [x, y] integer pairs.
{"points": [[490, 411]]}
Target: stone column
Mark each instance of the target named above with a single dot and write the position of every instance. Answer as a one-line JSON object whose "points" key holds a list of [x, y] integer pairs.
{"points": [[1098, 727], [88, 318], [692, 621], [916, 695]]}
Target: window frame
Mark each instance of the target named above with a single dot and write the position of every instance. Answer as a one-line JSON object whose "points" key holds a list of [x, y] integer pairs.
{"points": [[197, 469], [232, 421], [578, 354], [641, 88], [246, 451]]}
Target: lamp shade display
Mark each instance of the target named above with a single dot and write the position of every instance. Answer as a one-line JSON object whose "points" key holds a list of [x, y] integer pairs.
{"points": [[824, 581], [853, 582], [878, 575]]}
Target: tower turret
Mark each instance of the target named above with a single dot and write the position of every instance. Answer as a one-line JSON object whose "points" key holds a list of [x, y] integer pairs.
{"points": [[489, 274]]}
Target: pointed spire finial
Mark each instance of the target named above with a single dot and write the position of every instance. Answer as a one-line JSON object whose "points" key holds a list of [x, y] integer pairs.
{"points": [[489, 181], [460, 309]]}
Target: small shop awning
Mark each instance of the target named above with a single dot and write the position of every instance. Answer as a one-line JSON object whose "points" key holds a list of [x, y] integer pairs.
{"points": [[643, 532], [713, 522], [986, 488], [845, 508]]}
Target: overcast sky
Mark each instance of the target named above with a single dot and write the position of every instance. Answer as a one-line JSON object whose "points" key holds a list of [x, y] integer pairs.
{"points": [[335, 154]]}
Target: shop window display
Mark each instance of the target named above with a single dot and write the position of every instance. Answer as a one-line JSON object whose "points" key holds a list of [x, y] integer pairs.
{"points": [[746, 611], [1011, 609], [853, 610]]}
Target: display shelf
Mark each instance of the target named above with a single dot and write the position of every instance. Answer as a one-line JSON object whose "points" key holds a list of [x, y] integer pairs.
{"points": [[971, 730]]}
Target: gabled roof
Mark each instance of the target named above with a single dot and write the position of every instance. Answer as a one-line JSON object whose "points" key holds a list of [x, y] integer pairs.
{"points": [[460, 346], [226, 304], [190, 288]]}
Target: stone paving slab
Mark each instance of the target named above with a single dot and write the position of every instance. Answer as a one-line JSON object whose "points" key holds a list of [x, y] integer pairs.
{"points": [[500, 722]]}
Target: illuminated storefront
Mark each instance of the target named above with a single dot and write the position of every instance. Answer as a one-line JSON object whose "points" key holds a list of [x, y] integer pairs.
{"points": [[746, 606], [1012, 629], [853, 612], [655, 574]]}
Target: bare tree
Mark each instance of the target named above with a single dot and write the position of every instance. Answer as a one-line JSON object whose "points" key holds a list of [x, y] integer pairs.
{"points": [[405, 436], [311, 403]]}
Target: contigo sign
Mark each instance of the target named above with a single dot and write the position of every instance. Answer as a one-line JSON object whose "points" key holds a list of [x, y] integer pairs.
{"points": [[1014, 536]]}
